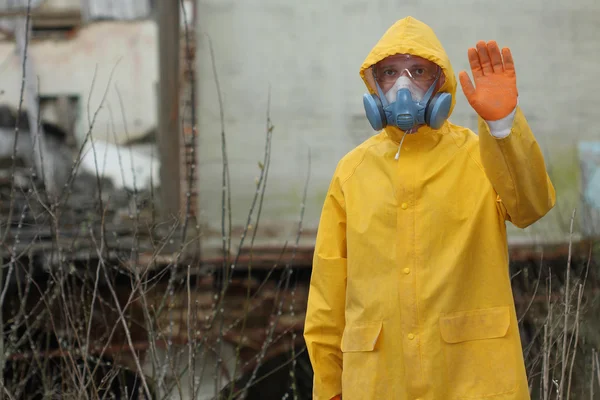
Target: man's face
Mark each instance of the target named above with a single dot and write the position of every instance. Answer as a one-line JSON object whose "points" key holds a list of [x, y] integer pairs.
{"points": [[422, 72]]}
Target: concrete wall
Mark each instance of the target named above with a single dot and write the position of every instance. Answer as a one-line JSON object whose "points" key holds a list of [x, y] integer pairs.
{"points": [[308, 53]]}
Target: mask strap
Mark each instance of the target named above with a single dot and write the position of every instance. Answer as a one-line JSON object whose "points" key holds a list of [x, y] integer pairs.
{"points": [[382, 97], [429, 92]]}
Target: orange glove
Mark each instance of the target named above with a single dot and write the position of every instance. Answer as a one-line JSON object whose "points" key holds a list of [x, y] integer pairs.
{"points": [[495, 94]]}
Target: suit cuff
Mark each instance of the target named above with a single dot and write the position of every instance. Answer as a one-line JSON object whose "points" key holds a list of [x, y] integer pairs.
{"points": [[501, 128]]}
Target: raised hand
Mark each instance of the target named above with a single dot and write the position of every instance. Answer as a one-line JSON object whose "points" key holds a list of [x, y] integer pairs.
{"points": [[494, 95]]}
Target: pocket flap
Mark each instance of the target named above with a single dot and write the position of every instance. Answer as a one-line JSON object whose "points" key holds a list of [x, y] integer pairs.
{"points": [[361, 337], [486, 323]]}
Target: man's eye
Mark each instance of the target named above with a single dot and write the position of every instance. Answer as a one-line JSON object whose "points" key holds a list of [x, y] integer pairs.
{"points": [[389, 72], [419, 71]]}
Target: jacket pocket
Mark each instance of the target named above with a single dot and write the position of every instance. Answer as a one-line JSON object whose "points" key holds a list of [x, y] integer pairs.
{"points": [[361, 337], [479, 356], [361, 360]]}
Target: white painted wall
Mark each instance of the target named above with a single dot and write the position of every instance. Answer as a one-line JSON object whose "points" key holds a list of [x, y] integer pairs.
{"points": [[60, 4], [309, 54]]}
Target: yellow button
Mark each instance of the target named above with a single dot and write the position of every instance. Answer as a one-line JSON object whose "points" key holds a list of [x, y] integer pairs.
{"points": [[411, 336], [406, 271], [404, 206]]}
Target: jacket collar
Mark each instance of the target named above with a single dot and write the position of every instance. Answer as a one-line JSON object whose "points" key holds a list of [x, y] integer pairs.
{"points": [[424, 139]]}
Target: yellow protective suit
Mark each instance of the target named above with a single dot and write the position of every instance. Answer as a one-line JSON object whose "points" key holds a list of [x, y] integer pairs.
{"points": [[410, 294]]}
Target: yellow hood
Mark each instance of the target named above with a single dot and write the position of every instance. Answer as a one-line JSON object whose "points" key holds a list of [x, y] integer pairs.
{"points": [[410, 36]]}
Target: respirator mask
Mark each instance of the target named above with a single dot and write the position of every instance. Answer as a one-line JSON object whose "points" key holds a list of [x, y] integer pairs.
{"points": [[406, 104]]}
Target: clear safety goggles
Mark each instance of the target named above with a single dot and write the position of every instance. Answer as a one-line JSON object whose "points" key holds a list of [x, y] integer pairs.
{"points": [[416, 68]]}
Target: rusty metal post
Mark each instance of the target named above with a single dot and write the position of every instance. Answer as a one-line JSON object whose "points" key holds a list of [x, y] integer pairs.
{"points": [[169, 135]]}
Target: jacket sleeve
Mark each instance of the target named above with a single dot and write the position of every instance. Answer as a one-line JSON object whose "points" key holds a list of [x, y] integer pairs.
{"points": [[325, 313], [515, 167]]}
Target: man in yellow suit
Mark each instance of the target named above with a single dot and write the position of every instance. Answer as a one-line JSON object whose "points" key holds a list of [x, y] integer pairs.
{"points": [[410, 294]]}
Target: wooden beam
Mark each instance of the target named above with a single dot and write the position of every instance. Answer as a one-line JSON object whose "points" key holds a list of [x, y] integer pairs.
{"points": [[42, 13], [169, 135]]}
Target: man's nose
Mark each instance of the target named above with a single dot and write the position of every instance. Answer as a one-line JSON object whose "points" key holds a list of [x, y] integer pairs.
{"points": [[408, 74]]}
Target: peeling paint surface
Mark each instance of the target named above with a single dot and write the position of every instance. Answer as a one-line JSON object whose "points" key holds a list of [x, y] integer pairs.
{"points": [[82, 67]]}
